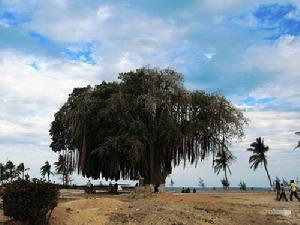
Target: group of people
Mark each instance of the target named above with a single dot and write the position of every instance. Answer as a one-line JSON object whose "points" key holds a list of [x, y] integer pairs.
{"points": [[90, 189], [280, 191], [187, 190], [113, 188]]}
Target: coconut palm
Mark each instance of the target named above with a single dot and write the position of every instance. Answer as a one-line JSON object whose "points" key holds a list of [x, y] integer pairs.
{"points": [[171, 183], [223, 161], [201, 182], [21, 169], [259, 157], [298, 145], [64, 167], [2, 173], [60, 167], [46, 169], [11, 170]]}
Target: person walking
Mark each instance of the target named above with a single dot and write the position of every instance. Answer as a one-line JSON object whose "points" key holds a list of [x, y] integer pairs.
{"points": [[88, 187], [282, 193], [293, 190], [278, 189]]}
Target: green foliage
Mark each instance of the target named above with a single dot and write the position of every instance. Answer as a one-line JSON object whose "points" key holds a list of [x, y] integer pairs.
{"points": [[8, 171], [259, 157], [243, 186], [2, 173], [172, 183], [201, 182], [143, 125], [258, 150], [225, 183], [65, 168], [46, 170], [30, 202], [223, 161]]}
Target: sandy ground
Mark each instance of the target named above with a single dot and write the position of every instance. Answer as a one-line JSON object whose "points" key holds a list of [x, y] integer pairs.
{"points": [[212, 207]]}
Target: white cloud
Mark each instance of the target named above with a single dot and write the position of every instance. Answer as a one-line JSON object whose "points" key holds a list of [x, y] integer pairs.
{"points": [[281, 58], [86, 23], [276, 127], [208, 56], [29, 97], [19, 6], [279, 67], [49, 83], [28, 100], [104, 12]]}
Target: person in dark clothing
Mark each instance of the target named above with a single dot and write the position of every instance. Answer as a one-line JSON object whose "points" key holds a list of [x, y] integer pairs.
{"points": [[188, 190], [282, 193], [183, 191], [115, 190], [278, 189], [110, 188], [92, 189], [194, 190]]}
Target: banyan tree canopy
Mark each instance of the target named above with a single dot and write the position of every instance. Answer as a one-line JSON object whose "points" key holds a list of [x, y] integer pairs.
{"points": [[143, 125]]}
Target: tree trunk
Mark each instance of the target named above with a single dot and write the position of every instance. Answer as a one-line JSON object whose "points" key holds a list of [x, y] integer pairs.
{"points": [[226, 178], [268, 175]]}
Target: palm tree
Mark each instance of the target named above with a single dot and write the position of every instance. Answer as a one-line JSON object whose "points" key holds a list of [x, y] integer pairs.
{"points": [[21, 169], [259, 157], [223, 161], [2, 173], [64, 167], [11, 170], [171, 183], [46, 169], [298, 146]]}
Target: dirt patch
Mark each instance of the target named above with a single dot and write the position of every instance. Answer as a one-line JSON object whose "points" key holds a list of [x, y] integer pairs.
{"points": [[220, 208], [188, 198], [85, 211], [140, 192]]}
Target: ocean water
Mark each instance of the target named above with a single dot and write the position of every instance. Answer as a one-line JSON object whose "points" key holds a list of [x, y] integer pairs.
{"points": [[231, 189]]}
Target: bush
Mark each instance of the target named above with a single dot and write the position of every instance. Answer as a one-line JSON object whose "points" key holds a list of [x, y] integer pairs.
{"points": [[225, 183], [243, 186], [30, 202]]}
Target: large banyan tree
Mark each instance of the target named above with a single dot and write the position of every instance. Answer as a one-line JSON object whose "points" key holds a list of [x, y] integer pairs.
{"points": [[143, 125]]}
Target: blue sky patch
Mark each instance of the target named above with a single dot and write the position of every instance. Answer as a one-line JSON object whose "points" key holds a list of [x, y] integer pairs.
{"points": [[77, 53], [251, 101], [12, 19], [275, 18], [39, 38]]}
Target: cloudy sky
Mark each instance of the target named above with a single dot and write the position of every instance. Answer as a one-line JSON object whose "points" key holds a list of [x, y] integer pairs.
{"points": [[248, 51]]}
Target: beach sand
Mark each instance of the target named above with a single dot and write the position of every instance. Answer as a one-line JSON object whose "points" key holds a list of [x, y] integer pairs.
{"points": [[211, 207]]}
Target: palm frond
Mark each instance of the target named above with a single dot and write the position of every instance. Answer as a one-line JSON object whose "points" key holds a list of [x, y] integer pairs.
{"points": [[298, 146]]}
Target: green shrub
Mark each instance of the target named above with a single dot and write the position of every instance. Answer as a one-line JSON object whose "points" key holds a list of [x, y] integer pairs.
{"points": [[31, 202], [225, 183], [243, 186]]}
